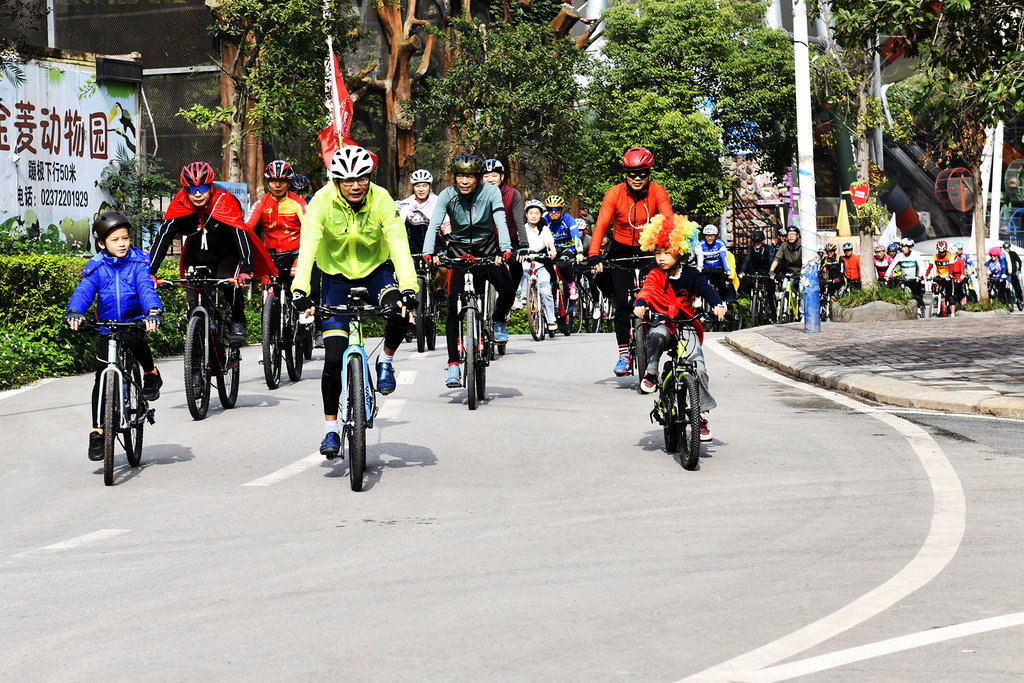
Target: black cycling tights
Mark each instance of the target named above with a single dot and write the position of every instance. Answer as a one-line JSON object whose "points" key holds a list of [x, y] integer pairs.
{"points": [[334, 351]]}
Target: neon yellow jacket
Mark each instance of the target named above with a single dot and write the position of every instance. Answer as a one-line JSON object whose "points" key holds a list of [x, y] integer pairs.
{"points": [[343, 242]]}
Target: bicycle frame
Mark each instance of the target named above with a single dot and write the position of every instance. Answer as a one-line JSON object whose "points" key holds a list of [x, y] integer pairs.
{"points": [[113, 358], [355, 348]]}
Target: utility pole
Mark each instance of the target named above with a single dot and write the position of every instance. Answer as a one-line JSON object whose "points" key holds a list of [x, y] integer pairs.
{"points": [[809, 295]]}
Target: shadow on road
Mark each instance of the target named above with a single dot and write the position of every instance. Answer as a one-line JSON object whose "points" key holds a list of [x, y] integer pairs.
{"points": [[458, 396], [160, 454], [628, 382], [381, 457]]}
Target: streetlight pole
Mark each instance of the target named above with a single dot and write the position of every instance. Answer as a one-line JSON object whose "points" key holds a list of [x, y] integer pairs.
{"points": [[809, 294]]}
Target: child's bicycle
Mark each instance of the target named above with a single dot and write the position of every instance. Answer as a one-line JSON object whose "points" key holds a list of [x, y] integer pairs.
{"points": [[358, 394], [121, 411], [475, 350], [677, 408], [207, 344], [284, 334]]}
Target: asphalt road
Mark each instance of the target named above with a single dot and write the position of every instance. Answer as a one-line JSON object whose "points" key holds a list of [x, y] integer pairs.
{"points": [[546, 536]]}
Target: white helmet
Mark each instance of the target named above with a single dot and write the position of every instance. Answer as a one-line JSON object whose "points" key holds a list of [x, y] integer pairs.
{"points": [[907, 242], [421, 176], [351, 161], [709, 230], [534, 204]]}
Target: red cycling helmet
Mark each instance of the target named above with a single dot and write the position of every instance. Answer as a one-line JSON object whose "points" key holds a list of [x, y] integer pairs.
{"points": [[278, 170], [941, 247], [197, 173], [637, 159]]}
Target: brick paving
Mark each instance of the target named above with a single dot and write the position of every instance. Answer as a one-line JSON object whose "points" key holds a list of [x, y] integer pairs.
{"points": [[968, 353]]}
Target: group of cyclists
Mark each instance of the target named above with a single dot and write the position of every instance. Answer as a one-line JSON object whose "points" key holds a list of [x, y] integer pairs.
{"points": [[352, 233]]}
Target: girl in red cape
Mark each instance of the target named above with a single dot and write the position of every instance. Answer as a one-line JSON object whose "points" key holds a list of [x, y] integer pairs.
{"points": [[215, 236], [670, 289]]}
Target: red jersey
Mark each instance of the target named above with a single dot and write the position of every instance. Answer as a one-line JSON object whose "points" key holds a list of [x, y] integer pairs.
{"points": [[281, 220], [852, 263], [628, 213]]}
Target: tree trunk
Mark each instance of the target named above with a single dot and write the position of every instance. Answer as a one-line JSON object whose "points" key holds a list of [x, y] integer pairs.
{"points": [[867, 255], [231, 147], [979, 236]]}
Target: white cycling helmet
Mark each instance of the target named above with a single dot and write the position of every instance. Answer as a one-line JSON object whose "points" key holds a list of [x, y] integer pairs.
{"points": [[351, 161], [906, 242], [709, 230], [534, 204], [421, 176]]}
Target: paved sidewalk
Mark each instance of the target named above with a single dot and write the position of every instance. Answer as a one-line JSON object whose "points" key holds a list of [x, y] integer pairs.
{"points": [[962, 365]]}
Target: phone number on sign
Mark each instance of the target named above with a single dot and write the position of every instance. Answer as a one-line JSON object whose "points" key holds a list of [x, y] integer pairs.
{"points": [[64, 198]]}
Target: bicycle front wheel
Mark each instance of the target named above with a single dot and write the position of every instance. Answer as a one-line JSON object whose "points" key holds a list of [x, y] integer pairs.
{"points": [[469, 342], [534, 314], [111, 424], [357, 420], [197, 374], [688, 405], [670, 416], [421, 316], [227, 380], [272, 341], [136, 418]]}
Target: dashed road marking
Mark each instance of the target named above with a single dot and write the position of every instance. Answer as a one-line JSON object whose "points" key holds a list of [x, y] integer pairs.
{"points": [[391, 408], [288, 471], [84, 539], [407, 376]]}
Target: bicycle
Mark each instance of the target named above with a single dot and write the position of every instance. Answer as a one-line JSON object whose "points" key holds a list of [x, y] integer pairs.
{"points": [[677, 407], [733, 315], [905, 285], [827, 298], [283, 331], [760, 307], [426, 307], [787, 301], [203, 336], [474, 351], [940, 305], [567, 311], [595, 309], [358, 394], [534, 307], [638, 329], [122, 412]]}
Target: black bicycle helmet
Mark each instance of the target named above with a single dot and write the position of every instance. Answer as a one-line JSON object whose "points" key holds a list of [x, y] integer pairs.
{"points": [[830, 248], [468, 164], [106, 222], [757, 236], [300, 184]]}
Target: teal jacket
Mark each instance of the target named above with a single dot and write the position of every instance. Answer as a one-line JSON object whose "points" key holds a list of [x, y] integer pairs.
{"points": [[472, 217]]}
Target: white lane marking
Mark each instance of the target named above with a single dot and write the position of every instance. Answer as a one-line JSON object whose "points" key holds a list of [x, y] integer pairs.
{"points": [[883, 647], [14, 392], [947, 530], [91, 537], [287, 471], [406, 376], [391, 408], [939, 413]]}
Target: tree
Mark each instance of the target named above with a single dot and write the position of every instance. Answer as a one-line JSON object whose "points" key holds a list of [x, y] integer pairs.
{"points": [[511, 91], [692, 80], [970, 53], [134, 184], [275, 57]]}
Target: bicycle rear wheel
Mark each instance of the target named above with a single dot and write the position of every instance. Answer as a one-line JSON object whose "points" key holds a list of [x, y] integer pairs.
{"points": [[534, 313], [640, 352], [481, 378], [298, 346], [688, 406], [357, 418], [111, 424], [272, 341], [136, 418], [469, 348], [431, 322], [197, 374], [227, 379], [421, 316]]}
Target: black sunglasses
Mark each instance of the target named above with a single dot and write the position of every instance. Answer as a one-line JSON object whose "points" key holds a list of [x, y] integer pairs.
{"points": [[638, 175]]}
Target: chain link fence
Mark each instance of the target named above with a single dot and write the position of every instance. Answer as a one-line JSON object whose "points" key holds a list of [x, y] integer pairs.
{"points": [[178, 142]]}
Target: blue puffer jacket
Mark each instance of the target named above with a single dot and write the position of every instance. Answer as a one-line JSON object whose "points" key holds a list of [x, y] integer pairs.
{"points": [[125, 290]]}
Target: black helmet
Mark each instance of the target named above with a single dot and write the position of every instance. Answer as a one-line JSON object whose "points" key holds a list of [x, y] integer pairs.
{"points": [[830, 248], [468, 164], [1006, 245], [758, 236], [106, 222], [300, 184]]}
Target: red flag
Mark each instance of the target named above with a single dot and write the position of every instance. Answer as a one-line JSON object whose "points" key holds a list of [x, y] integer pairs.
{"points": [[342, 110]]}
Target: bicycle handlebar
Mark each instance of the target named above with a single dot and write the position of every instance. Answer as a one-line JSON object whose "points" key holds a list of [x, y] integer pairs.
{"points": [[324, 311], [628, 262], [654, 316], [462, 264], [112, 325]]}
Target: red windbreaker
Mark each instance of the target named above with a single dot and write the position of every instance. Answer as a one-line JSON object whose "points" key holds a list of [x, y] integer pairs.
{"points": [[628, 213]]}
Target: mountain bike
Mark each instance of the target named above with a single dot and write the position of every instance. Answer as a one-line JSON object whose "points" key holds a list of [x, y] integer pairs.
{"points": [[638, 328], [787, 300], [535, 317], [940, 305], [208, 350], [595, 309], [474, 351], [567, 311], [283, 333], [121, 411], [677, 408], [426, 307], [827, 298], [761, 304], [358, 394]]}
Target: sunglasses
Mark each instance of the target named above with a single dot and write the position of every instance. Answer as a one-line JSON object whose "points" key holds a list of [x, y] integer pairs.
{"points": [[197, 190], [638, 175]]}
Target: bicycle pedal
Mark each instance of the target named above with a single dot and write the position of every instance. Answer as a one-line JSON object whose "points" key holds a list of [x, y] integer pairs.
{"points": [[151, 415]]}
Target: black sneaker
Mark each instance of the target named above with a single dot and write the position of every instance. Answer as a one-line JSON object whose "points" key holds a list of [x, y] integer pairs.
{"points": [[95, 446], [238, 334], [151, 383]]}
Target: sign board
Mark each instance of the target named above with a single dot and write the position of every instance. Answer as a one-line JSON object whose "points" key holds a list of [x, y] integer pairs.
{"points": [[859, 193], [240, 190], [59, 129]]}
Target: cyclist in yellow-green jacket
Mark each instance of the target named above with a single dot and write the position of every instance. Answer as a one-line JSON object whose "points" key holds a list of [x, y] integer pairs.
{"points": [[351, 229]]}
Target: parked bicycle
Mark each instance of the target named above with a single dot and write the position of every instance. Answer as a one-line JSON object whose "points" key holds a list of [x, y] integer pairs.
{"points": [[474, 346], [283, 332], [207, 348], [121, 412], [358, 394], [677, 408]]}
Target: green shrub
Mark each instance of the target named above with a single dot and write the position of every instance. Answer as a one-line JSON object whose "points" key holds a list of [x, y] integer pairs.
{"points": [[859, 297]]}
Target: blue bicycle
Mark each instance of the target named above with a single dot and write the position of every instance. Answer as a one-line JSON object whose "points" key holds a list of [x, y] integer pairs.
{"points": [[358, 395]]}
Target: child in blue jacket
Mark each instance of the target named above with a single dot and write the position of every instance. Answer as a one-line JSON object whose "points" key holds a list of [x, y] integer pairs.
{"points": [[118, 279]]}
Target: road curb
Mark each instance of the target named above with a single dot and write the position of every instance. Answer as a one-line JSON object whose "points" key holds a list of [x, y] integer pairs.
{"points": [[895, 392]]}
